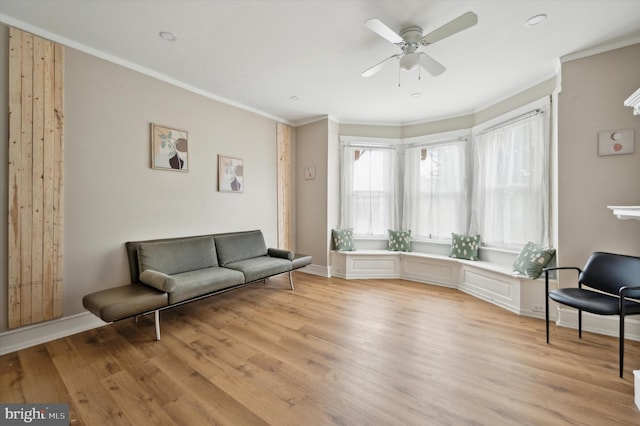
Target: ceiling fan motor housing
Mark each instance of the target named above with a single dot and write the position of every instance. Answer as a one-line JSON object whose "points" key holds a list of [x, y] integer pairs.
{"points": [[411, 35], [411, 41]]}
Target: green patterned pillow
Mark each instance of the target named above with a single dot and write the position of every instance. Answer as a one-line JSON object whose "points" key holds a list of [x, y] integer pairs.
{"points": [[399, 240], [533, 259], [343, 239], [464, 246]]}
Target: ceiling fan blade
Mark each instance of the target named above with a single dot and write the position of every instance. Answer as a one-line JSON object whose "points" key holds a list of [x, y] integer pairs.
{"points": [[461, 23], [383, 31], [432, 66], [377, 67]]}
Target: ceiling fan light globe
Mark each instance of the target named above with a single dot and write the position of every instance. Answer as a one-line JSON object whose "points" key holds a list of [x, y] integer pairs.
{"points": [[409, 61]]}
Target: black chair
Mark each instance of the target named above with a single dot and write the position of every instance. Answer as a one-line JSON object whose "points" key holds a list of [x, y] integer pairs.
{"points": [[614, 280]]}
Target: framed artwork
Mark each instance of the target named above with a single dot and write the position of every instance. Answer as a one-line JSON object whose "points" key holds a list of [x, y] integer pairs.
{"points": [[169, 148], [230, 174]]}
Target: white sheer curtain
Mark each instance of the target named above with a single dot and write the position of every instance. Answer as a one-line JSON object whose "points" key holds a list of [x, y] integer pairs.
{"points": [[510, 204], [435, 195], [369, 190]]}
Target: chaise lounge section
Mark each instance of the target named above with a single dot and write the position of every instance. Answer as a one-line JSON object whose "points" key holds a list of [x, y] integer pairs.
{"points": [[173, 271]]}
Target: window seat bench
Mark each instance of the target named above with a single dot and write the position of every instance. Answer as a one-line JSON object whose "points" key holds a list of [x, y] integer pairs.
{"points": [[492, 282]]}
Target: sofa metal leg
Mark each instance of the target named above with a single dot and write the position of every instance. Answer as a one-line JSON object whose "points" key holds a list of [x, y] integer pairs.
{"points": [[157, 323], [291, 280], [136, 319]]}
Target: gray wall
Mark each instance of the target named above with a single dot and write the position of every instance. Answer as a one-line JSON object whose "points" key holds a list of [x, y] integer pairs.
{"points": [[591, 100], [111, 193], [311, 194]]}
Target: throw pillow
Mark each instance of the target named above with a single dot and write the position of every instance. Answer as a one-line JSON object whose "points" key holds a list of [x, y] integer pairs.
{"points": [[343, 239], [464, 246], [399, 240], [533, 259]]}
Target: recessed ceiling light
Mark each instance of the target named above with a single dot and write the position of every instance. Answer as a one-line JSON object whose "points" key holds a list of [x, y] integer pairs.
{"points": [[167, 36], [535, 20], [416, 95]]}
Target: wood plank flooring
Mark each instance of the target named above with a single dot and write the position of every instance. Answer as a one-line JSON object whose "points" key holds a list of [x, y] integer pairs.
{"points": [[375, 352]]}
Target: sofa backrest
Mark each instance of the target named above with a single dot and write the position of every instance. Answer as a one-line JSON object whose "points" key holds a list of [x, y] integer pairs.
{"points": [[236, 246], [174, 257], [132, 253]]}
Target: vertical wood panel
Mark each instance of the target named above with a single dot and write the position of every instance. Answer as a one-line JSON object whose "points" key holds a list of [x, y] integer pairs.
{"points": [[15, 131], [58, 180], [26, 177], [48, 182], [283, 143], [36, 80], [36, 179]]}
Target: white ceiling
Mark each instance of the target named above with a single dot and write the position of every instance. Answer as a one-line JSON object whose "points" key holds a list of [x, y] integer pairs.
{"points": [[258, 54]]}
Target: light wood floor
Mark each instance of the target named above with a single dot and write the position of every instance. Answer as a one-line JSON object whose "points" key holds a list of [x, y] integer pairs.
{"points": [[377, 352]]}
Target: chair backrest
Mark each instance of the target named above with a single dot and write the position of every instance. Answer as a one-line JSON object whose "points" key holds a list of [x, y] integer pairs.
{"points": [[608, 272]]}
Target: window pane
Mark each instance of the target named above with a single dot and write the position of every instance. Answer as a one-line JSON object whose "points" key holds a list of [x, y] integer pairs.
{"points": [[435, 190], [368, 187], [510, 200]]}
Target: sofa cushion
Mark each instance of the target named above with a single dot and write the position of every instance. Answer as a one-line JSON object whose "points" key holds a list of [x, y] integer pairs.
{"points": [[284, 254], [202, 281], [125, 301], [176, 256], [159, 280], [301, 260], [239, 246], [258, 268]]}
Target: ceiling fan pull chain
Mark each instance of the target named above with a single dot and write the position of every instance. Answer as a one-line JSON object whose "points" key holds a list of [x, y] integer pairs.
{"points": [[398, 76], [419, 67]]}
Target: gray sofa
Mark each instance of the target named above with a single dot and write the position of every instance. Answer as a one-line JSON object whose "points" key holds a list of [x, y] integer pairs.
{"points": [[173, 271]]}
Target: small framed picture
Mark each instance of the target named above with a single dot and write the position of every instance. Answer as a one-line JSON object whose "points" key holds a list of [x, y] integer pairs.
{"points": [[169, 148], [230, 174]]}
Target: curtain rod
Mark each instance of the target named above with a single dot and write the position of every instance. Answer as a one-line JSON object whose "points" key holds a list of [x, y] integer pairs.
{"points": [[513, 120], [437, 142]]}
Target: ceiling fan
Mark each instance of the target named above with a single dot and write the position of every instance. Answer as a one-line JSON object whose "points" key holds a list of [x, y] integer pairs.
{"points": [[411, 39]]}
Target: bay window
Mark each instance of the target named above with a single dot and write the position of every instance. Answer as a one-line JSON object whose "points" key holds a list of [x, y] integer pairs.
{"points": [[495, 183]]}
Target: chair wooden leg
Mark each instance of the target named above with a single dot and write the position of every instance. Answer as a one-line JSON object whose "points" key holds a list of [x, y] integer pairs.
{"points": [[291, 280]]}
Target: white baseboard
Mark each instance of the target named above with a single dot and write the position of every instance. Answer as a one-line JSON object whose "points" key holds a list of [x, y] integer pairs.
{"points": [[322, 271], [31, 335], [601, 324]]}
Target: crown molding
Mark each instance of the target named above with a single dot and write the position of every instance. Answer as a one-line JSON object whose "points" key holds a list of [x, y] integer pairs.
{"points": [[605, 47], [132, 66]]}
